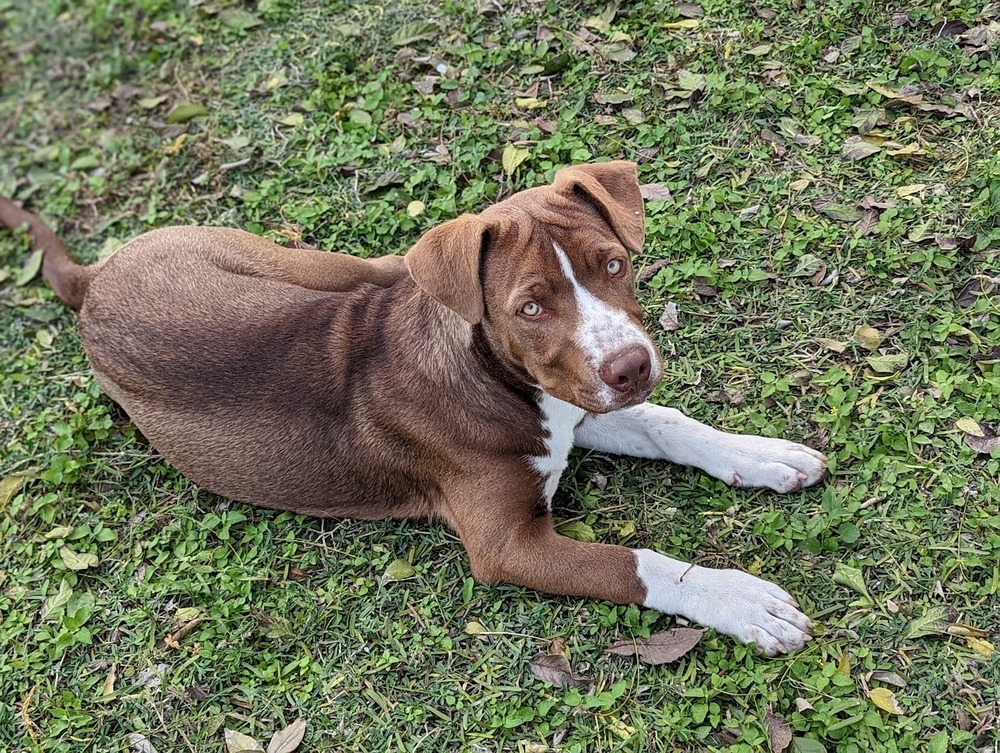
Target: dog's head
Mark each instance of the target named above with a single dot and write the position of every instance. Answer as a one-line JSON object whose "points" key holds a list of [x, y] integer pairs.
{"points": [[548, 277]]}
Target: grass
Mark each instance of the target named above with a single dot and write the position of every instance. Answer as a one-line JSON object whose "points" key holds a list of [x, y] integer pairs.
{"points": [[326, 121]]}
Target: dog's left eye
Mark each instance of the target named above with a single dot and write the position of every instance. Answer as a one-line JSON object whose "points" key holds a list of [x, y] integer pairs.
{"points": [[615, 267]]}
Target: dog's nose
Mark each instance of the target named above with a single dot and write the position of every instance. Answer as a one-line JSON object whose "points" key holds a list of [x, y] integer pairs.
{"points": [[626, 369]]}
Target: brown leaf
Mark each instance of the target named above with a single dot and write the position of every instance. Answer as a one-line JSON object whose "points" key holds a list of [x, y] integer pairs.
{"points": [[856, 148], [655, 192], [985, 444], [993, 354], [689, 10], [426, 84], [899, 19], [967, 296], [555, 668], [952, 28], [867, 223], [766, 13], [890, 678], [869, 202], [835, 210], [659, 648], [649, 271], [669, 320], [703, 289], [779, 734], [288, 739]]}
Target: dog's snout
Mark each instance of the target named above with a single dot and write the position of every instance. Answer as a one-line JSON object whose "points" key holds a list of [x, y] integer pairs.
{"points": [[627, 369]]}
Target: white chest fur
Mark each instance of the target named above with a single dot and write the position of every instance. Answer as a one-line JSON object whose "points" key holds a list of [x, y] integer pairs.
{"points": [[559, 418]]}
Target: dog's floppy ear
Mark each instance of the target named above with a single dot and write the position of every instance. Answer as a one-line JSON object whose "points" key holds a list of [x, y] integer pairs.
{"points": [[445, 264], [613, 187]]}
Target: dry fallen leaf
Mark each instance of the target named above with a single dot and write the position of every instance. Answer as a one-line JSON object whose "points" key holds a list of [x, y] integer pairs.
{"points": [[888, 364], [237, 742], [868, 337], [9, 486], [659, 648], [985, 444], [885, 699], [288, 739], [984, 648], [512, 158], [655, 192], [889, 678], [970, 426], [669, 320], [835, 345], [140, 743], [779, 734], [856, 148], [555, 668]]}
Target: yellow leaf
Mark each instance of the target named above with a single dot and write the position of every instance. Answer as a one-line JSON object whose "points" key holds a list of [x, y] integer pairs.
{"points": [[910, 150], [109, 682], [9, 486], [885, 91], [970, 426], [868, 337], [684, 23], [529, 103], [77, 560], [176, 144], [983, 648], [904, 191], [835, 345], [415, 208], [278, 79], [512, 158], [885, 699], [185, 614], [292, 120], [475, 628], [237, 742], [844, 665], [800, 185]]}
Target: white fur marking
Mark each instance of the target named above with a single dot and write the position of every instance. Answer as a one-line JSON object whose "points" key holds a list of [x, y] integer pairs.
{"points": [[559, 419], [731, 601], [603, 330], [652, 431]]}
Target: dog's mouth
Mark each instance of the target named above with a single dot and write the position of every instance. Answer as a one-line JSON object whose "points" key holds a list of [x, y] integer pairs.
{"points": [[602, 399]]}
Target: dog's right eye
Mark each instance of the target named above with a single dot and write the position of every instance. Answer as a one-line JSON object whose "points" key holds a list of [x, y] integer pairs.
{"points": [[531, 310]]}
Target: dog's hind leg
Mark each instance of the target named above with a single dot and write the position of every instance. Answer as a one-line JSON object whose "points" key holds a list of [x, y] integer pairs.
{"points": [[316, 270]]}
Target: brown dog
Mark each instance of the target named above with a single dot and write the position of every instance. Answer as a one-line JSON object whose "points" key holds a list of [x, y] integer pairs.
{"points": [[334, 386]]}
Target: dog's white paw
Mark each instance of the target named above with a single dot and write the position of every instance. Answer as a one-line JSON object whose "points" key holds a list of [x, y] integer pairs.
{"points": [[771, 463], [745, 607]]}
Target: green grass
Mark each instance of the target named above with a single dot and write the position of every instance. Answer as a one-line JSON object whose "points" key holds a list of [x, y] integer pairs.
{"points": [[298, 617]]}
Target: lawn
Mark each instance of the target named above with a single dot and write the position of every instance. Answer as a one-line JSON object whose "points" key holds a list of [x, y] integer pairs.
{"points": [[823, 188]]}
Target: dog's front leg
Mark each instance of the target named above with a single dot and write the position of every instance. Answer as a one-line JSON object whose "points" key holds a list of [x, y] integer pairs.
{"points": [[651, 431], [515, 542]]}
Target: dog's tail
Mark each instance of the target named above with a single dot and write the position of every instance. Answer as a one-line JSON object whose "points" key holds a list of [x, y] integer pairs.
{"points": [[69, 279]]}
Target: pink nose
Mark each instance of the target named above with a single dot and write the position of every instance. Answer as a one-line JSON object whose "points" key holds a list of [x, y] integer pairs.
{"points": [[626, 369]]}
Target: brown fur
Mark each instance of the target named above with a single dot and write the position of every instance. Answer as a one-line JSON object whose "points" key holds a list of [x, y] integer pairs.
{"points": [[333, 386]]}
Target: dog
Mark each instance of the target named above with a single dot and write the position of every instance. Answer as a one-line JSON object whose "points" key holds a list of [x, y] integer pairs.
{"points": [[450, 383]]}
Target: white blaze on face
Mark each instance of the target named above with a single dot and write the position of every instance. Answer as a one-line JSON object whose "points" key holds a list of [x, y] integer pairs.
{"points": [[603, 330]]}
